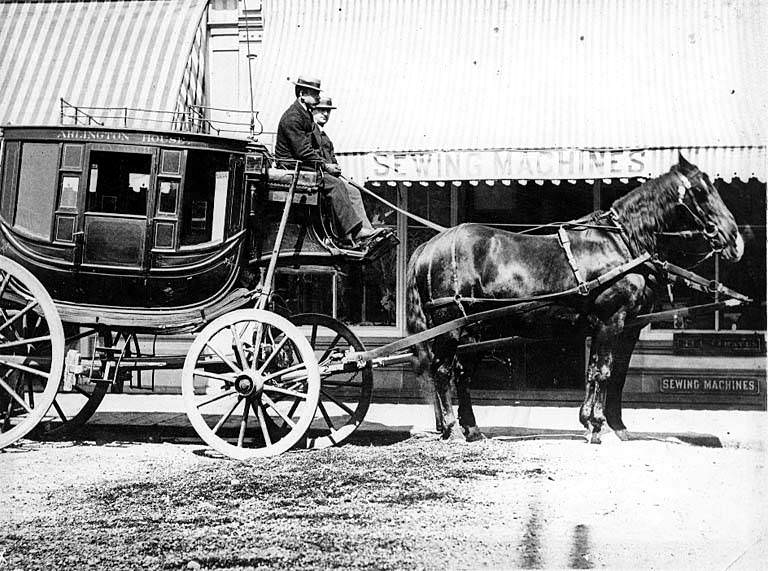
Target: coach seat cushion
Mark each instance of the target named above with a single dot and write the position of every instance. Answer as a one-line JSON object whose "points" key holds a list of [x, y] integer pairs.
{"points": [[281, 179]]}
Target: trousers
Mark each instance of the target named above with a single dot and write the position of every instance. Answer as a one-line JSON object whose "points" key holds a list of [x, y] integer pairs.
{"points": [[347, 204]]}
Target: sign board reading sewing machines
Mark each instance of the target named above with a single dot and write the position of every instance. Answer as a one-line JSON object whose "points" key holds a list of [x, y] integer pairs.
{"points": [[709, 385]]}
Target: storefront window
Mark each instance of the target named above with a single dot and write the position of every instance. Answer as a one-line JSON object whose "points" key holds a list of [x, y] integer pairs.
{"points": [[746, 200], [518, 207], [432, 202]]}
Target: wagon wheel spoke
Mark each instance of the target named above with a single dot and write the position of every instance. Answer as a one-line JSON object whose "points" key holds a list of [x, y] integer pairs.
{"points": [[20, 367], [212, 375], [284, 391], [3, 312], [29, 307], [21, 342], [226, 416], [260, 415], [336, 401], [240, 351], [60, 412], [216, 398], [324, 412], [14, 395], [330, 348], [273, 405], [224, 358], [243, 424], [276, 351]]}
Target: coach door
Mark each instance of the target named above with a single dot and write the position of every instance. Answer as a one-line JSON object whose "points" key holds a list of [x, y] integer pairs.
{"points": [[114, 225]]}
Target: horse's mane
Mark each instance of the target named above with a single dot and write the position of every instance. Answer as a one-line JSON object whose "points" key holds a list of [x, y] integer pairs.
{"points": [[646, 210]]}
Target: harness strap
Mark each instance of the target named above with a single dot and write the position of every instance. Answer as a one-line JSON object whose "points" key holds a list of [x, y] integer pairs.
{"points": [[565, 242], [455, 268], [697, 282], [601, 280]]}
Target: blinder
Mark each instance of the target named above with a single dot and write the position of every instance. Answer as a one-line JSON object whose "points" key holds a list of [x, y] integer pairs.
{"points": [[706, 228]]}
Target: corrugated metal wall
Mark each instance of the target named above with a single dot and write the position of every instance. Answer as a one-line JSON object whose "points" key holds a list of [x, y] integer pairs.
{"points": [[104, 54], [412, 75]]}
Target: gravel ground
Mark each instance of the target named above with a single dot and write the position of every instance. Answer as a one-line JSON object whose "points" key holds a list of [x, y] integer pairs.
{"points": [[414, 504]]}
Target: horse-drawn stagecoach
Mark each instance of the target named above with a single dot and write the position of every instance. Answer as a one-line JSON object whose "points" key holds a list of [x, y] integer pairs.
{"points": [[114, 234]]}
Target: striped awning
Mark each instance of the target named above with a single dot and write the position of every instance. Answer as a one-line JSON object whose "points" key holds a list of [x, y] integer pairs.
{"points": [[461, 84], [130, 63]]}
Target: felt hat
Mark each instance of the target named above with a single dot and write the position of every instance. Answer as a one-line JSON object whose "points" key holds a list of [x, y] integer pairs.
{"points": [[308, 82], [325, 103]]}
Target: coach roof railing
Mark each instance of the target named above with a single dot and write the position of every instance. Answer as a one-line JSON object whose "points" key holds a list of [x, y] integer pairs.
{"points": [[193, 118]]}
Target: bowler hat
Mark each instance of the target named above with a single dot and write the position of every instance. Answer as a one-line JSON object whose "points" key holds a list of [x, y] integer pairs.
{"points": [[308, 82], [325, 103]]}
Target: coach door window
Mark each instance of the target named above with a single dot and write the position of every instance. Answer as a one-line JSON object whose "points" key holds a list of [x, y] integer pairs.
{"points": [[38, 179], [204, 207], [118, 183]]}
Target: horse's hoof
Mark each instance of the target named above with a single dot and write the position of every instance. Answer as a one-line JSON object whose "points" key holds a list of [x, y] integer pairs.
{"points": [[454, 433], [593, 436], [473, 434], [622, 434], [425, 435]]}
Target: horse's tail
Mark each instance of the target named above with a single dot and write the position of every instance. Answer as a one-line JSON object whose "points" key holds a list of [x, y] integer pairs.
{"points": [[415, 318]]}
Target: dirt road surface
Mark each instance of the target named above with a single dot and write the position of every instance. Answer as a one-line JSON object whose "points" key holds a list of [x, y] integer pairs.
{"points": [[413, 504]]}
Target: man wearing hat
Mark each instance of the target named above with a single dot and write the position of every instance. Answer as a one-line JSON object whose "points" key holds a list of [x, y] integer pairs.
{"points": [[321, 113], [296, 140]]}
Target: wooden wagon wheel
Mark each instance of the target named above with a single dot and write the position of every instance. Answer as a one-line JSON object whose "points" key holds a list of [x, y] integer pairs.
{"points": [[250, 384], [344, 396], [31, 351]]}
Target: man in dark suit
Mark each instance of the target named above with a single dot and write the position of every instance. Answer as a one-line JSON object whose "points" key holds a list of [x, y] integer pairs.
{"points": [[296, 141]]}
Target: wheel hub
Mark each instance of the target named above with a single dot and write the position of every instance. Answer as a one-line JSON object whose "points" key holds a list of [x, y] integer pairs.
{"points": [[248, 383]]}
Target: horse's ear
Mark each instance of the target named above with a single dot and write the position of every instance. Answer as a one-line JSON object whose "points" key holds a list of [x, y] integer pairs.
{"points": [[682, 163]]}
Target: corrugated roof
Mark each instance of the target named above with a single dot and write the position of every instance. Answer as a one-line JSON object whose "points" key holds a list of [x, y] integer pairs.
{"points": [[136, 54], [415, 75]]}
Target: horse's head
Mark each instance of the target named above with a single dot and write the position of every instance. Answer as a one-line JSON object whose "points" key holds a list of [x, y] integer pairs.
{"points": [[701, 202]]}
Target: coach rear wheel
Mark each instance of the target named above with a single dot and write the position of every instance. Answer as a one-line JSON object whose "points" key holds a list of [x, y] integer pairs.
{"points": [[31, 351], [251, 384], [344, 395]]}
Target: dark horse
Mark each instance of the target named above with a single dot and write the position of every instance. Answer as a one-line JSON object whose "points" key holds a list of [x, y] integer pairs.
{"points": [[472, 268]]}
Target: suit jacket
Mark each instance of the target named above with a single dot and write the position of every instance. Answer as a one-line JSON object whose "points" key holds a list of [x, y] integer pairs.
{"points": [[294, 136], [325, 144]]}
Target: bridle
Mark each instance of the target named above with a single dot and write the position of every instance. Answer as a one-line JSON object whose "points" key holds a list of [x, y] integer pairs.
{"points": [[705, 228]]}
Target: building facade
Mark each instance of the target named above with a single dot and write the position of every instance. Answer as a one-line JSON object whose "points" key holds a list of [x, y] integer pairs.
{"points": [[509, 113]]}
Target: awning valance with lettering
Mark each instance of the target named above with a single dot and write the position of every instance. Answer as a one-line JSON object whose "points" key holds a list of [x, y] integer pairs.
{"points": [[129, 55], [551, 164], [464, 90]]}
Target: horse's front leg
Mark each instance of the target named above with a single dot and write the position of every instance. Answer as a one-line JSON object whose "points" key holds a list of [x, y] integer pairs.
{"points": [[592, 414], [621, 357]]}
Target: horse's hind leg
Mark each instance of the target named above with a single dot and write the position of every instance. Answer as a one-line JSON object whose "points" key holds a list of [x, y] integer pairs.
{"points": [[442, 373], [464, 371]]}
